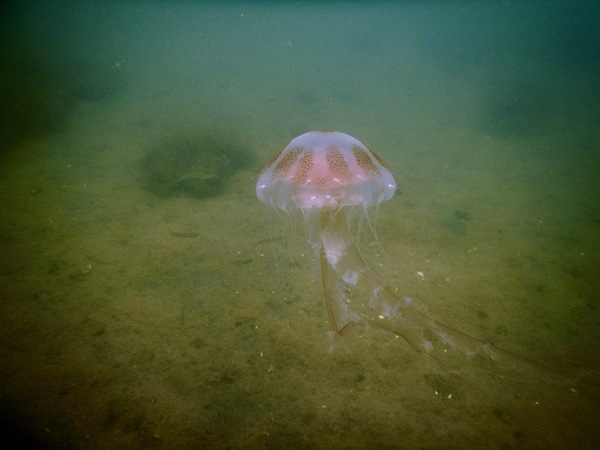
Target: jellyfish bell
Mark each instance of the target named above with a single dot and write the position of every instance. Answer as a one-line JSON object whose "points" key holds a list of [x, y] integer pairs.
{"points": [[325, 170], [326, 175]]}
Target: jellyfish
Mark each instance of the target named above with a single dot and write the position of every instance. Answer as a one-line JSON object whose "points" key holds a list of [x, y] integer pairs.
{"points": [[331, 178]]}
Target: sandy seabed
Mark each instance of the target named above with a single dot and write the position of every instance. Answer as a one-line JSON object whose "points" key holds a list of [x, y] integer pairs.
{"points": [[134, 320]]}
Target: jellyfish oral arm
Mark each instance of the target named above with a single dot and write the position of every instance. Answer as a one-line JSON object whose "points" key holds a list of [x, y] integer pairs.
{"points": [[344, 270]]}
